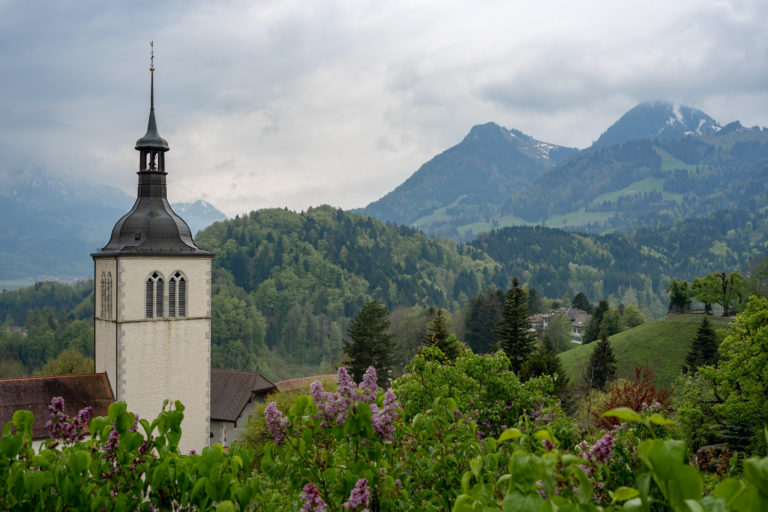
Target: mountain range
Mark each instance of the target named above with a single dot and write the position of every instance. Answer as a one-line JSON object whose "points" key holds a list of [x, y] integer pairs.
{"points": [[659, 163], [50, 224]]}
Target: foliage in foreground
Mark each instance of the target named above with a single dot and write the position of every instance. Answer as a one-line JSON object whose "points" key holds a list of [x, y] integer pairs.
{"points": [[461, 435]]}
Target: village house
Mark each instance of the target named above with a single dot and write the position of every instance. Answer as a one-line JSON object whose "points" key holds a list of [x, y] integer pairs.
{"points": [[579, 320]]}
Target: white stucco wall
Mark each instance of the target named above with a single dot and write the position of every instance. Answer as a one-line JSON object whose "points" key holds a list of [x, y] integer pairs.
{"points": [[161, 358]]}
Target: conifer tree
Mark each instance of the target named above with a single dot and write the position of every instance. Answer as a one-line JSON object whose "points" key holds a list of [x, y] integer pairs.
{"points": [[592, 332], [601, 368], [580, 301], [369, 342], [514, 330], [437, 335], [703, 349], [545, 361]]}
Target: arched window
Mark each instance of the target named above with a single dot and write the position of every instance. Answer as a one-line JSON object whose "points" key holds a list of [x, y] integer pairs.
{"points": [[154, 296], [159, 297], [103, 295], [109, 295], [177, 295]]}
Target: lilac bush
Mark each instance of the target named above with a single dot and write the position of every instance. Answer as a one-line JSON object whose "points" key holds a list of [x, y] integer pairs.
{"points": [[65, 429]]}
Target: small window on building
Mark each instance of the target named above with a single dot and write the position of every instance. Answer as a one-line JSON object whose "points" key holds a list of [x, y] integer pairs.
{"points": [[177, 295], [103, 295], [154, 296], [109, 295], [159, 298]]}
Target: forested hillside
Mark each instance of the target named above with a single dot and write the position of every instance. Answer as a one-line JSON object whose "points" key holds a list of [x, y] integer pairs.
{"points": [[286, 285], [635, 268], [293, 281]]}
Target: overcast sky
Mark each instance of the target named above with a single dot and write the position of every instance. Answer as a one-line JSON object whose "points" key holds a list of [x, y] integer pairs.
{"points": [[301, 103]]}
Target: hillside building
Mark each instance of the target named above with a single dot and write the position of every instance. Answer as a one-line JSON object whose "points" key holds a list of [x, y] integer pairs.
{"points": [[579, 320]]}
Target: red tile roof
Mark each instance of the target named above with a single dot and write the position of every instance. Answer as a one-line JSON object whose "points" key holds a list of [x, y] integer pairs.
{"points": [[35, 393]]}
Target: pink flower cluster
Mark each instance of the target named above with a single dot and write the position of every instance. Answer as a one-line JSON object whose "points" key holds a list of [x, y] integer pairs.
{"points": [[66, 429], [603, 448], [312, 500], [276, 424], [334, 407], [601, 451], [360, 496], [383, 419]]}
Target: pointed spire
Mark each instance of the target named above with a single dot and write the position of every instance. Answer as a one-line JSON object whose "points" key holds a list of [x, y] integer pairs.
{"points": [[152, 141]]}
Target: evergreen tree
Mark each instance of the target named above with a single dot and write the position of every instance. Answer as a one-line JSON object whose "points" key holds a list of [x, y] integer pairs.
{"points": [[369, 343], [437, 335], [601, 368], [535, 304], [592, 332], [514, 330], [483, 315], [703, 349], [581, 302], [545, 361]]}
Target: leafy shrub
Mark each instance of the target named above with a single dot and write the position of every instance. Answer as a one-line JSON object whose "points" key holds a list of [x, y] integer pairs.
{"points": [[639, 394]]}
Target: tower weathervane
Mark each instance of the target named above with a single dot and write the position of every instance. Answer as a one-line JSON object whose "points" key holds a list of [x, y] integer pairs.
{"points": [[152, 55]]}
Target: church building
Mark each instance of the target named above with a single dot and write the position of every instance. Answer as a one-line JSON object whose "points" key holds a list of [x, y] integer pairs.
{"points": [[152, 323], [152, 317]]}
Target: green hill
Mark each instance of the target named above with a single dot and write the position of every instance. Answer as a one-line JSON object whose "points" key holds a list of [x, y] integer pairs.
{"points": [[660, 345]]}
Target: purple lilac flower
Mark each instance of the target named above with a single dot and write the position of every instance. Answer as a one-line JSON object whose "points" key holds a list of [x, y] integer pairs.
{"points": [[346, 384], [602, 449], [547, 445], [359, 496], [368, 386], [69, 430], [332, 407], [383, 420], [276, 424], [312, 500]]}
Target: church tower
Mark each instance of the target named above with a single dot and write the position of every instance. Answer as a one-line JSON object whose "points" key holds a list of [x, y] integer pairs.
{"points": [[153, 302]]}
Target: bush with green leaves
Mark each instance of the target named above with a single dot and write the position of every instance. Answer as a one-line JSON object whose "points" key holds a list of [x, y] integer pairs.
{"points": [[483, 386]]}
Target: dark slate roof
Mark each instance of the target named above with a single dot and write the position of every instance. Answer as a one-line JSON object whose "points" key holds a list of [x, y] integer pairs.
{"points": [[35, 393], [151, 227], [231, 390]]}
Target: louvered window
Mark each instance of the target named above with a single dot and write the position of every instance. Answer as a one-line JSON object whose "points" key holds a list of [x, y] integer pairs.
{"points": [[159, 298], [150, 294], [109, 295], [182, 297], [103, 295], [172, 297]]}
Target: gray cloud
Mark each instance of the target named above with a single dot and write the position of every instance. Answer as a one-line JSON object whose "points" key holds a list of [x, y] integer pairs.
{"points": [[290, 103]]}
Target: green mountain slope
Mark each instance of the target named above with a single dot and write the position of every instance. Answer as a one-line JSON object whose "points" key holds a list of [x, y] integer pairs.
{"points": [[644, 182], [660, 345], [466, 183]]}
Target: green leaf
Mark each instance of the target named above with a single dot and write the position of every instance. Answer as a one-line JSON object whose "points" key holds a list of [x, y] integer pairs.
{"points": [[34, 481], [658, 419], [623, 413], [79, 461], [756, 473], [226, 506], [625, 493], [516, 502], [510, 433], [476, 465]]}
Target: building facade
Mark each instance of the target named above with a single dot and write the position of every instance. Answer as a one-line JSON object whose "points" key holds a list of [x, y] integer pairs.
{"points": [[152, 313]]}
